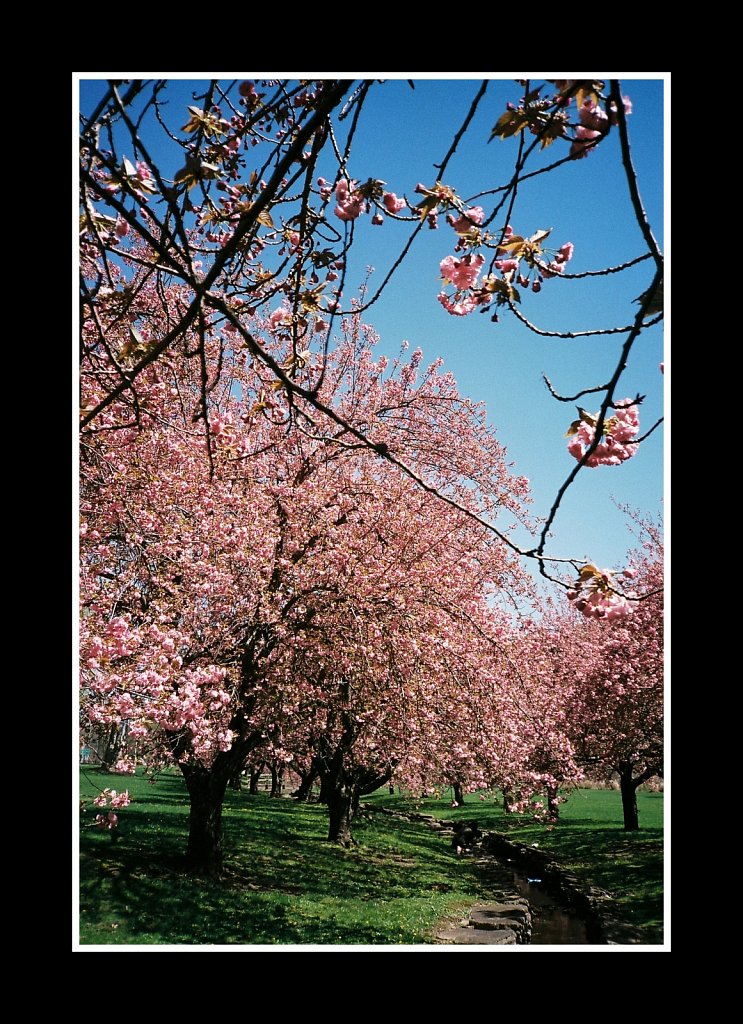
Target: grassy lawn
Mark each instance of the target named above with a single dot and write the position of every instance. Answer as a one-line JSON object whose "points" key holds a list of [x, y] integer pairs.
{"points": [[284, 883], [589, 839]]}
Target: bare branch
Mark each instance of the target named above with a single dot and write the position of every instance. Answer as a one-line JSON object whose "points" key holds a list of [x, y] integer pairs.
{"points": [[629, 170], [567, 335]]}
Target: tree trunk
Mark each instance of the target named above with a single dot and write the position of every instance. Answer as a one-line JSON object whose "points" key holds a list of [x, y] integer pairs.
{"points": [[277, 776], [629, 797], [236, 781], [255, 777], [553, 806], [113, 746], [507, 799], [304, 792], [324, 797], [340, 802], [458, 794], [206, 789]]}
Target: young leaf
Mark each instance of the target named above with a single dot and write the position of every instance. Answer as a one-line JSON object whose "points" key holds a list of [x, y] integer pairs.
{"points": [[540, 235]]}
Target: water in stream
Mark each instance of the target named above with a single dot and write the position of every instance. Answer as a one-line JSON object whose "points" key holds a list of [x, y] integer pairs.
{"points": [[551, 924]]}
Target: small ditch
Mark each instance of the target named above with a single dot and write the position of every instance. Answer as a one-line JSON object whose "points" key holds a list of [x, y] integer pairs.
{"points": [[551, 924]]}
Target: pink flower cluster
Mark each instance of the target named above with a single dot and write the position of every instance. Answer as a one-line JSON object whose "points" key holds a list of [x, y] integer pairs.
{"points": [[462, 273], [602, 606], [511, 254], [350, 203], [116, 799], [108, 821], [594, 596], [557, 266], [616, 444], [594, 124], [392, 203], [469, 219]]}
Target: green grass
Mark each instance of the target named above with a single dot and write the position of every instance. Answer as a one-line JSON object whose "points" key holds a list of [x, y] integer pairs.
{"points": [[284, 883], [589, 840]]}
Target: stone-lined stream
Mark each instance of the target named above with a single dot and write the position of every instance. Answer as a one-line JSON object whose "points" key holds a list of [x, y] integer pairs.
{"points": [[551, 924]]}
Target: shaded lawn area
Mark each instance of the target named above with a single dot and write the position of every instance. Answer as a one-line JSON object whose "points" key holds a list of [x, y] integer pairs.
{"points": [[589, 840], [284, 884]]}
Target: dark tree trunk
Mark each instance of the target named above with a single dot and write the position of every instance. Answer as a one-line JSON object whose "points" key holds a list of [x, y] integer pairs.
{"points": [[277, 781], [113, 746], [458, 794], [324, 788], [255, 778], [628, 787], [236, 781], [553, 806], [340, 803], [304, 792], [206, 788], [507, 799]]}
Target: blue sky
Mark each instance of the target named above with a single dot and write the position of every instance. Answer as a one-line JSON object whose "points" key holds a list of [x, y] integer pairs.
{"points": [[402, 134]]}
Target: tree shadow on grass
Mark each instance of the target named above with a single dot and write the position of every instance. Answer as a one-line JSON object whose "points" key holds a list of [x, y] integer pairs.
{"points": [[283, 883]]}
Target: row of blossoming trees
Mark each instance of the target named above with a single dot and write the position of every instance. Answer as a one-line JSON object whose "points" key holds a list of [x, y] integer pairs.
{"points": [[293, 547]]}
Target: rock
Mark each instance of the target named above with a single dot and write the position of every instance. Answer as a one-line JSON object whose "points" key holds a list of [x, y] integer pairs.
{"points": [[478, 937], [508, 915]]}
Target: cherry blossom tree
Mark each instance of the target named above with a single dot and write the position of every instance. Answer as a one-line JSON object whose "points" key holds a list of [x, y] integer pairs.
{"points": [[222, 600], [618, 720]]}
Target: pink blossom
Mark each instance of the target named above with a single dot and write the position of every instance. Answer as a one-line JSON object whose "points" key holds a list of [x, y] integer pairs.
{"points": [[392, 203], [462, 273], [461, 308], [108, 821], [468, 219], [595, 596], [377, 219], [350, 204], [279, 318], [507, 266], [615, 446], [552, 269], [584, 137], [122, 227], [592, 116], [351, 209], [566, 252], [120, 799], [144, 174]]}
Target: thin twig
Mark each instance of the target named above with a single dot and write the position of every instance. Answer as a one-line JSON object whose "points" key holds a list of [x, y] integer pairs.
{"points": [[576, 334]]}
